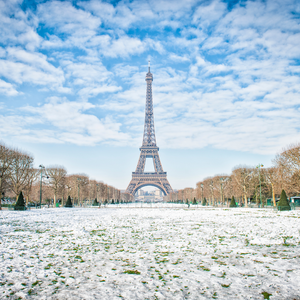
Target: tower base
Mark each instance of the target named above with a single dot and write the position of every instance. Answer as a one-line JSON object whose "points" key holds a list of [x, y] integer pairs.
{"points": [[140, 180]]}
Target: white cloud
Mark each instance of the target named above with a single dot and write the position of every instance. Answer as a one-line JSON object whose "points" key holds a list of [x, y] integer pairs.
{"points": [[155, 45], [124, 46], [74, 26], [172, 9], [122, 15], [18, 27], [206, 67], [22, 66], [64, 17], [72, 125], [176, 57], [84, 73], [30, 39], [19, 73], [7, 89], [213, 42], [18, 127], [36, 60], [91, 78], [206, 14], [94, 91], [125, 71], [53, 42]]}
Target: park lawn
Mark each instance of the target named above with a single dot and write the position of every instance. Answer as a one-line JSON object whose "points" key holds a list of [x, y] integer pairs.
{"points": [[150, 253]]}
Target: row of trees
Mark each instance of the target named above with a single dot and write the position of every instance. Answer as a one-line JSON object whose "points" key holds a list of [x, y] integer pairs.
{"points": [[249, 183], [58, 185], [17, 173]]}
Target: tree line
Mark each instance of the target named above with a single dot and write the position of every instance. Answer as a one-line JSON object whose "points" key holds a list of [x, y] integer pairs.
{"points": [[17, 173], [249, 184]]}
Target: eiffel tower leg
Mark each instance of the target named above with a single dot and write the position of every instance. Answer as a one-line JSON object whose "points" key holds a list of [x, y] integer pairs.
{"points": [[141, 163], [157, 163], [131, 188]]}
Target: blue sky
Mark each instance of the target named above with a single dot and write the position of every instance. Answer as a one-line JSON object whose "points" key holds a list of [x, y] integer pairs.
{"points": [[226, 83]]}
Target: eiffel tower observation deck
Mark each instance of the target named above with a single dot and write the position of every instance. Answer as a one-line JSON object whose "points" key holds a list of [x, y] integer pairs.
{"points": [[149, 149]]}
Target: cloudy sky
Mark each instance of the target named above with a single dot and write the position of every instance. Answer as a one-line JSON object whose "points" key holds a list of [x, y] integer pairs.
{"points": [[226, 86]]}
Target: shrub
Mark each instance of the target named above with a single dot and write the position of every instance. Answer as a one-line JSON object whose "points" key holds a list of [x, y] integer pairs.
{"points": [[204, 202], [20, 205], [69, 202], [95, 203], [232, 202], [283, 203], [194, 201]]}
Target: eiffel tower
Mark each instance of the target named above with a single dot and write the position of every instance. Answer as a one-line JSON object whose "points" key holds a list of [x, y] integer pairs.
{"points": [[149, 150]]}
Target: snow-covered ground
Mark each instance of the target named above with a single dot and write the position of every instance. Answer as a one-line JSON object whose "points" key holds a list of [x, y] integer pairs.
{"points": [[150, 253]]}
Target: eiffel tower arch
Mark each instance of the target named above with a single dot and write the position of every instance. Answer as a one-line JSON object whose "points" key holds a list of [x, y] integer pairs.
{"points": [[140, 178]]}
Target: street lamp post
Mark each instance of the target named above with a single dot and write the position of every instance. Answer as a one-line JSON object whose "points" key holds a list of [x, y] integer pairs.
{"points": [[212, 193], [107, 194], [78, 179], [221, 179], [97, 187], [259, 167], [42, 167]]}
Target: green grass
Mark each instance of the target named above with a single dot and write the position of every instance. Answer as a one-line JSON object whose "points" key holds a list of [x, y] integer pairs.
{"points": [[266, 295], [36, 283], [48, 266], [136, 272], [204, 268]]}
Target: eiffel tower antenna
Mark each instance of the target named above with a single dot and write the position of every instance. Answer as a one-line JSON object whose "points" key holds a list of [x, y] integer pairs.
{"points": [[149, 150]]}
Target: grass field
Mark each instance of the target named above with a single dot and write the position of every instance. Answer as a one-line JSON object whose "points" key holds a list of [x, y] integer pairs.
{"points": [[151, 253]]}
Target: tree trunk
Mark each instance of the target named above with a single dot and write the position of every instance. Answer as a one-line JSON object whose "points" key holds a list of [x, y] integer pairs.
{"points": [[0, 193], [273, 195], [245, 197]]}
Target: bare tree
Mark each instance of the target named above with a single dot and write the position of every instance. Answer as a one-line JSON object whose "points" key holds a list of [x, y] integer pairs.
{"points": [[188, 194], [102, 191], [93, 190], [243, 177], [78, 187], [21, 172], [32, 177], [125, 197], [288, 164], [69, 189], [219, 186], [208, 190], [271, 176], [6, 161], [181, 195], [57, 176]]}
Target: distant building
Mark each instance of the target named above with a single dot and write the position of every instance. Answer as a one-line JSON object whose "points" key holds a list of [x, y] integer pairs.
{"points": [[145, 196], [140, 192], [158, 193]]}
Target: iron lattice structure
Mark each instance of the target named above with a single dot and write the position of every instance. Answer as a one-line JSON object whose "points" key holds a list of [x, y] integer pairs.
{"points": [[149, 150]]}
